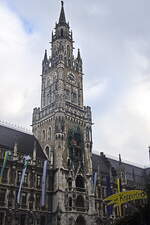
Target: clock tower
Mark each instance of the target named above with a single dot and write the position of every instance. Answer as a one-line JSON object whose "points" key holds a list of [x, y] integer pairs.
{"points": [[63, 127]]}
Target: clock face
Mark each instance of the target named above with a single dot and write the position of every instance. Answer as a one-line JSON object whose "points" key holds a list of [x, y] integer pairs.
{"points": [[71, 77]]}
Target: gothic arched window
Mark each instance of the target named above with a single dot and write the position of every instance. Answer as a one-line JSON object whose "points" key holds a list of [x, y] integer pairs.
{"points": [[69, 62], [43, 135], [49, 133], [67, 94], [74, 97], [69, 163], [48, 81], [80, 183], [80, 202], [87, 133], [48, 98], [47, 151], [70, 202], [68, 50], [44, 99], [56, 86], [99, 192], [70, 183], [62, 32], [65, 61]]}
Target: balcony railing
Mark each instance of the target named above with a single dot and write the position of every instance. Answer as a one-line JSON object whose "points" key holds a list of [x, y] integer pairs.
{"points": [[77, 189], [80, 189], [79, 209]]}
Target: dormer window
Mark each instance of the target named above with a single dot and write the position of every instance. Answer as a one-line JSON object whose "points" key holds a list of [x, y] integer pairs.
{"points": [[43, 135]]}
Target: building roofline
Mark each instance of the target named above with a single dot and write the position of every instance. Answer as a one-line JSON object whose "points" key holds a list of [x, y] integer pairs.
{"points": [[123, 161], [15, 127]]}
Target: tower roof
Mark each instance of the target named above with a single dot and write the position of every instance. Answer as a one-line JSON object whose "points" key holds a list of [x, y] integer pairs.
{"points": [[62, 18]]}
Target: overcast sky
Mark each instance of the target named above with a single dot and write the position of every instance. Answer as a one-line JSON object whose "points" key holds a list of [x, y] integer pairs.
{"points": [[114, 38]]}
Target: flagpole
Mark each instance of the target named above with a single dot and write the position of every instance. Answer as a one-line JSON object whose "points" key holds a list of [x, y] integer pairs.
{"points": [[119, 190], [119, 184]]}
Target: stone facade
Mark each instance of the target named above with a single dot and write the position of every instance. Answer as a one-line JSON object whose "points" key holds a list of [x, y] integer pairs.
{"points": [[63, 127], [29, 210]]}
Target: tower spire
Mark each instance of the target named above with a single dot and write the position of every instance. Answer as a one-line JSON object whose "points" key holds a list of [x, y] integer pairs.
{"points": [[62, 18], [45, 56], [78, 55]]}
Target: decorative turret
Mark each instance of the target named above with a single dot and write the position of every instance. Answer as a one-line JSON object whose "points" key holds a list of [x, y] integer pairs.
{"points": [[62, 43], [78, 56], [62, 19], [45, 63], [52, 35], [62, 28], [79, 60]]}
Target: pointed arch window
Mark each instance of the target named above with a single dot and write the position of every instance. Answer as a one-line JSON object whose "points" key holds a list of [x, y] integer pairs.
{"points": [[68, 94], [65, 61], [99, 192], [49, 133], [70, 184], [70, 203], [80, 203], [68, 50], [43, 99], [48, 98], [74, 97], [43, 135], [47, 151], [62, 32], [69, 63], [80, 183]]}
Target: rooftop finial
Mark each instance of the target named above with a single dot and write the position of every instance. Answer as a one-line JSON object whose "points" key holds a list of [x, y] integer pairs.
{"points": [[45, 60], [45, 55], [120, 161], [62, 18], [78, 56]]}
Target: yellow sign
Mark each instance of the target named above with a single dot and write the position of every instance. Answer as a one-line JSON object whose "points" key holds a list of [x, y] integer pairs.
{"points": [[123, 197]]}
